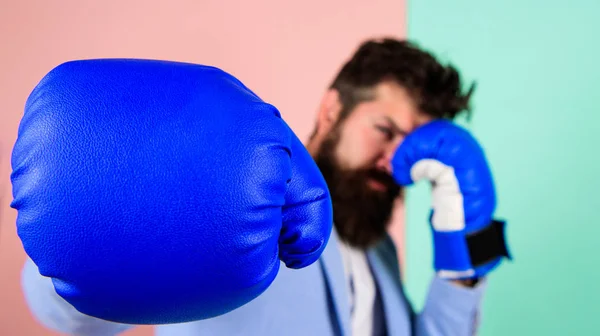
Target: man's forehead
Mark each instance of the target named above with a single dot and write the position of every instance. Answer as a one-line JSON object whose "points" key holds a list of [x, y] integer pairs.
{"points": [[394, 94], [389, 103]]}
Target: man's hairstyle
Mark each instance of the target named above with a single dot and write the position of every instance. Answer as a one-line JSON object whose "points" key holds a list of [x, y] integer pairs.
{"points": [[436, 89]]}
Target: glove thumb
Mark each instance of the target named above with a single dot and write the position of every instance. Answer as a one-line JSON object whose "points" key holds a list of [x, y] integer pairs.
{"points": [[307, 214]]}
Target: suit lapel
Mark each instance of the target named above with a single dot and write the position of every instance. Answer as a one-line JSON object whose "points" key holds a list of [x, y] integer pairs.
{"points": [[387, 276], [331, 262]]}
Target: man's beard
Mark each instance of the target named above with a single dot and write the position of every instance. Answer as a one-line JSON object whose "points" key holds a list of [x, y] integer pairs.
{"points": [[361, 214]]}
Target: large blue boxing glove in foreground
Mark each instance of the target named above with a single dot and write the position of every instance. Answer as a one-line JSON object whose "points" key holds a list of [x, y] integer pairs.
{"points": [[156, 192], [468, 242]]}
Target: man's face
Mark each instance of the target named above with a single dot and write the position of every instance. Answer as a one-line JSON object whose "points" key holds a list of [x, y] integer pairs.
{"points": [[355, 159]]}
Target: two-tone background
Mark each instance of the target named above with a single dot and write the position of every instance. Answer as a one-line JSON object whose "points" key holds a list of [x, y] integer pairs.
{"points": [[536, 111]]}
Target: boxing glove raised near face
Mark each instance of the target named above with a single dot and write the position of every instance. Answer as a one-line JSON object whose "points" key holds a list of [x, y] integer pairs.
{"points": [[468, 242], [157, 192]]}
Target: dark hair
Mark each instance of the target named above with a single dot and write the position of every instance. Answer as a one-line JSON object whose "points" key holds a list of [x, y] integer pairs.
{"points": [[436, 88]]}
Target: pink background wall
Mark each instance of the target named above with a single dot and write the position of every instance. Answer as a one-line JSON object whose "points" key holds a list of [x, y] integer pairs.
{"points": [[285, 51]]}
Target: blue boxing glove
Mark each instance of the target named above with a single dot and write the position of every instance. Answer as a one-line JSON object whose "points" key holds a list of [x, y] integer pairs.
{"points": [[468, 242], [156, 192]]}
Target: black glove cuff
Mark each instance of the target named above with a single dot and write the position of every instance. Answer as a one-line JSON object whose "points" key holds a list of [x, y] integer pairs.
{"points": [[487, 244]]}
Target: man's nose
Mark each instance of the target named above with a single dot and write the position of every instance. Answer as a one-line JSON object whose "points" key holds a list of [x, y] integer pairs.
{"points": [[384, 162]]}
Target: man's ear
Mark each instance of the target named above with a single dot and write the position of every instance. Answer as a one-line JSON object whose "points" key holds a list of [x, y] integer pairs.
{"points": [[329, 111]]}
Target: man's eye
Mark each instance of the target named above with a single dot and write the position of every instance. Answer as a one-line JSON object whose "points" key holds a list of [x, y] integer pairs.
{"points": [[385, 131]]}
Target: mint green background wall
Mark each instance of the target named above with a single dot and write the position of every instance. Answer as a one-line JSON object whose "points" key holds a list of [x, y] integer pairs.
{"points": [[536, 110]]}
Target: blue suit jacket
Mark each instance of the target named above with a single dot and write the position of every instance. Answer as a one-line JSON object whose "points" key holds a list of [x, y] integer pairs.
{"points": [[310, 301]]}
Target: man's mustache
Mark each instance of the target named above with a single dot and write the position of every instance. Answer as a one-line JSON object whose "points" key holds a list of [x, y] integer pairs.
{"points": [[383, 178]]}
